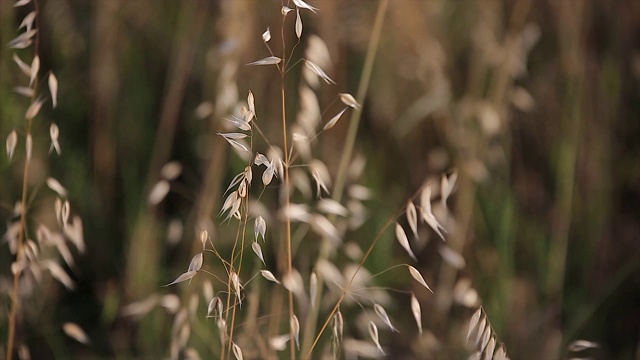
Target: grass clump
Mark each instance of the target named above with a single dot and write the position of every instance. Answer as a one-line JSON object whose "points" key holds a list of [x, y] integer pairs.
{"points": [[321, 180], [54, 226]]}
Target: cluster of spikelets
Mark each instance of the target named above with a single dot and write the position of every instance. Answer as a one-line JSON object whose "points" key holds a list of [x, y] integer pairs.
{"points": [[482, 340], [34, 258], [329, 219], [295, 168], [42, 248]]}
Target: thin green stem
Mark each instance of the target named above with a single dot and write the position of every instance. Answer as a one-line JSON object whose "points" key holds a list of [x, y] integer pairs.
{"points": [[363, 87]]}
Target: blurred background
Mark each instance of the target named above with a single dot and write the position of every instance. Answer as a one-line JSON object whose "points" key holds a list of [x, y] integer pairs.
{"points": [[536, 104]]}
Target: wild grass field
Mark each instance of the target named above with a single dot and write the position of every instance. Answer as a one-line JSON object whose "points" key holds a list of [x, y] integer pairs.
{"points": [[320, 179]]}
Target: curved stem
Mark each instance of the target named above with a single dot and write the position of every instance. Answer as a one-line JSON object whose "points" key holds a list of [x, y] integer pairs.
{"points": [[347, 287]]}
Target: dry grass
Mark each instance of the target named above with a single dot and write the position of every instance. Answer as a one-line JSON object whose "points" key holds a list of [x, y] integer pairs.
{"points": [[323, 220], [246, 183], [35, 259]]}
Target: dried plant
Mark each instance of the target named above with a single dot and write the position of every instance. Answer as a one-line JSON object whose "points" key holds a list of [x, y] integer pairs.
{"points": [[33, 259], [291, 170], [257, 231]]}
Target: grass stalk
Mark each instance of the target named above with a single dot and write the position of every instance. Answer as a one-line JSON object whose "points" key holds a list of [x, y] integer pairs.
{"points": [[285, 150], [363, 88], [347, 287], [571, 53], [20, 253], [15, 303], [565, 183], [347, 154]]}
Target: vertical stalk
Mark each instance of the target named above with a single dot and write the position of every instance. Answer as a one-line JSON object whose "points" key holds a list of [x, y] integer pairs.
{"points": [[347, 154], [571, 24], [363, 87], [23, 207], [287, 220], [285, 149], [571, 55], [19, 254]]}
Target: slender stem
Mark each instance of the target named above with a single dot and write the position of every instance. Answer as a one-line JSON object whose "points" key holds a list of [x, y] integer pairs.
{"points": [[241, 238], [567, 157], [347, 154], [285, 150], [19, 255], [287, 221], [347, 287], [229, 294], [363, 87], [23, 208]]}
